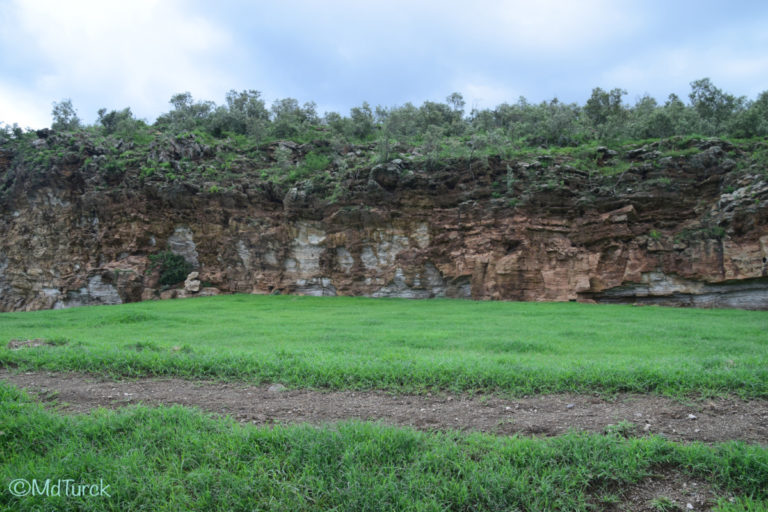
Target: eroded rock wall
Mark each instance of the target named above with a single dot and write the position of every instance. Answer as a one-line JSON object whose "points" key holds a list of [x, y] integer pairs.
{"points": [[699, 237]]}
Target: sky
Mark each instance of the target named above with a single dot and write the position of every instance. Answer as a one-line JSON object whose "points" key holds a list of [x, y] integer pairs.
{"points": [[115, 54]]}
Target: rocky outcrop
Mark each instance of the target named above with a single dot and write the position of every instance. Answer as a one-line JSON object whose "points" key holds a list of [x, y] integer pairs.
{"points": [[669, 230], [671, 290]]}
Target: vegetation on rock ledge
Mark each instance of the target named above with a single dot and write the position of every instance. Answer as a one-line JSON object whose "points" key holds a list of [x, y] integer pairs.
{"points": [[214, 145]]}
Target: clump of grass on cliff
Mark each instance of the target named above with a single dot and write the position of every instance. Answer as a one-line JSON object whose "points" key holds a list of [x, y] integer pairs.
{"points": [[181, 459], [402, 345]]}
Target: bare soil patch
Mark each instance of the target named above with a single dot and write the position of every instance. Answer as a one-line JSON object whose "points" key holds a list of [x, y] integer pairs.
{"points": [[37, 342], [664, 491], [709, 420]]}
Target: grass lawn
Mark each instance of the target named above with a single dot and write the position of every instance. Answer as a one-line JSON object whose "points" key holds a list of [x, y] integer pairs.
{"points": [[404, 345]]}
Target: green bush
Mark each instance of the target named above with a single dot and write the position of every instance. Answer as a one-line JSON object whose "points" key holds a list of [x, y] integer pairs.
{"points": [[173, 268], [316, 162], [702, 233]]}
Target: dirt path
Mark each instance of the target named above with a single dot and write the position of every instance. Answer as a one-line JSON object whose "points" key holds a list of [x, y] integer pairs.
{"points": [[707, 420]]}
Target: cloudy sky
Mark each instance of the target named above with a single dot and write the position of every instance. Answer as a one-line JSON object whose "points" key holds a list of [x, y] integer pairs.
{"points": [[138, 53]]}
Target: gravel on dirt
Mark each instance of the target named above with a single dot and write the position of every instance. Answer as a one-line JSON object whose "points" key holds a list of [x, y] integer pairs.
{"points": [[708, 420]]}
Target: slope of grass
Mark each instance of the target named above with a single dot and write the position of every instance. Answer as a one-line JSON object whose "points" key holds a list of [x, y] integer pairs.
{"points": [[170, 459], [402, 345]]}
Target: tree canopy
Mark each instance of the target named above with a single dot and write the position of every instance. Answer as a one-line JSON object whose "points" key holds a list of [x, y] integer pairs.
{"points": [[604, 117]]}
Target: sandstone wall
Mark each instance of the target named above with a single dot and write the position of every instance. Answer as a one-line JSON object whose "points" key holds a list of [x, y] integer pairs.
{"points": [[699, 238]]}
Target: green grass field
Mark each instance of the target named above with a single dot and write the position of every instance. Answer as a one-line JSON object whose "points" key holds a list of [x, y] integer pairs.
{"points": [[402, 345], [178, 459]]}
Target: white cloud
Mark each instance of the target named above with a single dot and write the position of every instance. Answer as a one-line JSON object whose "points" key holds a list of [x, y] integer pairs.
{"points": [[134, 53], [733, 70], [115, 54], [358, 30], [482, 94], [22, 107], [547, 26]]}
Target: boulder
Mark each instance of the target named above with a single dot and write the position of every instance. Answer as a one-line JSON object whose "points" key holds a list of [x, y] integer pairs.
{"points": [[192, 283], [386, 175]]}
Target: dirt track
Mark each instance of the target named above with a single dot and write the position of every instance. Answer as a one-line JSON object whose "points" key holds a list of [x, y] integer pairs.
{"points": [[709, 420], [548, 415]]}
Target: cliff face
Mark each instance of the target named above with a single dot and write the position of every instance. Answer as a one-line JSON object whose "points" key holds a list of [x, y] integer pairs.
{"points": [[689, 229]]}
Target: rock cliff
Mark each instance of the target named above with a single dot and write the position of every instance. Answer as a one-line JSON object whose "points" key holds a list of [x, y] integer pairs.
{"points": [[642, 225]]}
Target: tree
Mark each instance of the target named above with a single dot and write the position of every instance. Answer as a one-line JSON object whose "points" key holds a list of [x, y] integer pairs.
{"points": [[289, 119], [752, 121], [13, 131], [432, 113], [401, 121], [648, 120], [115, 120], [309, 113], [712, 104], [246, 104], [286, 117], [187, 114], [456, 101], [245, 113], [433, 138], [606, 113], [602, 105], [64, 116], [361, 121], [481, 120], [682, 119], [558, 125], [335, 122]]}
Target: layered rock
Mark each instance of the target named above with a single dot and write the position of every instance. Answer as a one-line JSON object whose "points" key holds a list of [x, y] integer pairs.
{"points": [[678, 232]]}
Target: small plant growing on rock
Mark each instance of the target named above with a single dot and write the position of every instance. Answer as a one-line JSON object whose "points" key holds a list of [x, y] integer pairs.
{"points": [[316, 162]]}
